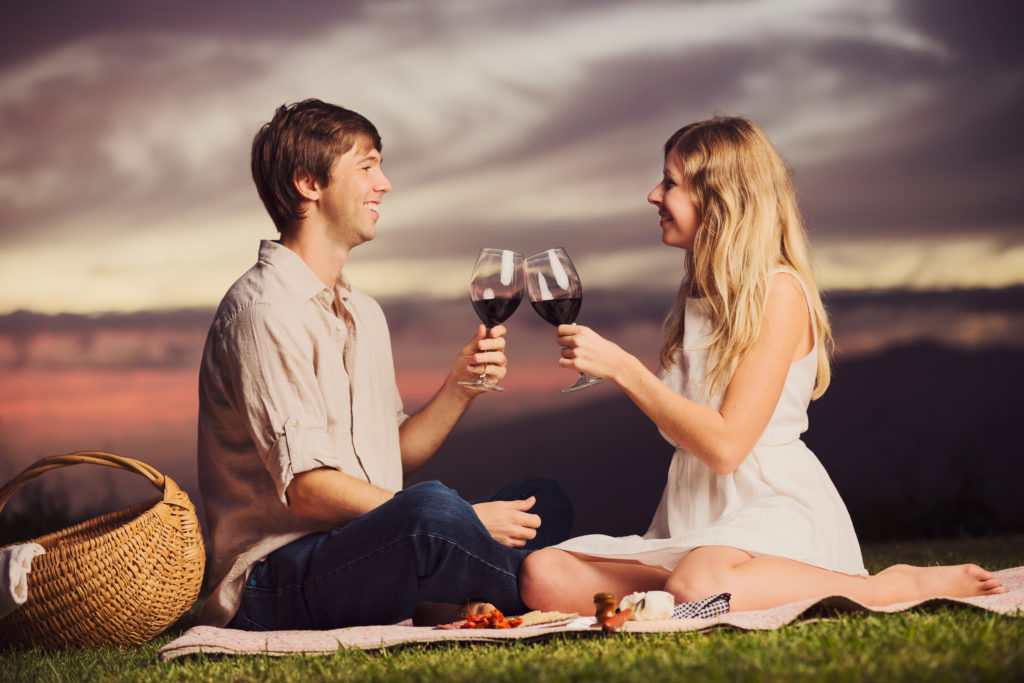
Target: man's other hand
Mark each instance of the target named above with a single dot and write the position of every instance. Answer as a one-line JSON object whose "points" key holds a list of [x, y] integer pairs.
{"points": [[508, 521]]}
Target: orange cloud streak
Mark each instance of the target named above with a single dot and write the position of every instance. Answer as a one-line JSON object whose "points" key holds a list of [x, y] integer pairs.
{"points": [[124, 398]]}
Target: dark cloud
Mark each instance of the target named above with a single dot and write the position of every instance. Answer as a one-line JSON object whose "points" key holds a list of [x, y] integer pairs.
{"points": [[66, 151], [1009, 299], [150, 339], [580, 236], [983, 33], [41, 26], [959, 171], [955, 166], [632, 91], [28, 322], [34, 27]]}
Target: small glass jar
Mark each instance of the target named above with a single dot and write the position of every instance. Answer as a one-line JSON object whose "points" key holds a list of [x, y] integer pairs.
{"points": [[604, 606]]}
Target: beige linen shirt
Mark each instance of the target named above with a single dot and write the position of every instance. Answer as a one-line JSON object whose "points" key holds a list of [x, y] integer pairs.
{"points": [[287, 386]]}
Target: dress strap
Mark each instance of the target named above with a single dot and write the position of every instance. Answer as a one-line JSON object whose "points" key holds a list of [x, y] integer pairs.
{"points": [[807, 296]]}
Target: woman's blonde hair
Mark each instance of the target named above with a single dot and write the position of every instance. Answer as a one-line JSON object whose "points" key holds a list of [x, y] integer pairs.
{"points": [[749, 225]]}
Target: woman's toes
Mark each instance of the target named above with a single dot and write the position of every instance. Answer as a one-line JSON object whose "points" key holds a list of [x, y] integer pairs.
{"points": [[976, 572]]}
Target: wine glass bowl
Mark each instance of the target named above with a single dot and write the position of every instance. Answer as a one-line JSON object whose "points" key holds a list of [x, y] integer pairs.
{"points": [[556, 293], [495, 290]]}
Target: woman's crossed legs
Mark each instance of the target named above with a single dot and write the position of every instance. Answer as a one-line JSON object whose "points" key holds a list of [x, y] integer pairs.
{"points": [[553, 579]]}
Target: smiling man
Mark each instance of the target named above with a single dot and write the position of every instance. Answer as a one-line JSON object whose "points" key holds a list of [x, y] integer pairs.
{"points": [[303, 440]]}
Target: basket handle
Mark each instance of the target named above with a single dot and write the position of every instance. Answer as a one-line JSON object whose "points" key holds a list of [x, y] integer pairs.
{"points": [[172, 493]]}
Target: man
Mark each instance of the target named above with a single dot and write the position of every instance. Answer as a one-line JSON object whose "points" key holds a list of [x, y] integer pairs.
{"points": [[303, 441]]}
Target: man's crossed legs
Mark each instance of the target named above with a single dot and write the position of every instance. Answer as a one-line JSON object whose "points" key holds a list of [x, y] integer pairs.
{"points": [[424, 545]]}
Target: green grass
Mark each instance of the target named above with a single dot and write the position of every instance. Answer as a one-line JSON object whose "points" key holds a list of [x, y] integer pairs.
{"points": [[939, 645]]}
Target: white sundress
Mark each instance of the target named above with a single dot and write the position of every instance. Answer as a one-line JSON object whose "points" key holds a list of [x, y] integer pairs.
{"points": [[779, 501]]}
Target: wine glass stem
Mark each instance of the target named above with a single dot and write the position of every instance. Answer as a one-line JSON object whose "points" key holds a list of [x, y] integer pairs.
{"points": [[483, 372]]}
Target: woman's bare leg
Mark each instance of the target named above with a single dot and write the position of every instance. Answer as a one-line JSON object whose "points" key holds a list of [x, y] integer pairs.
{"points": [[762, 582], [553, 579]]}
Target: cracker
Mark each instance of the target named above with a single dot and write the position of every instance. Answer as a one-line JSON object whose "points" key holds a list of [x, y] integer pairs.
{"points": [[536, 617]]}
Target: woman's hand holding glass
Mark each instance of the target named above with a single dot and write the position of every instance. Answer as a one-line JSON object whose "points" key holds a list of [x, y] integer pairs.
{"points": [[590, 354], [556, 293]]}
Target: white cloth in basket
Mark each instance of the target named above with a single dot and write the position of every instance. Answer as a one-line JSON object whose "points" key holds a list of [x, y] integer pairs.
{"points": [[15, 564]]}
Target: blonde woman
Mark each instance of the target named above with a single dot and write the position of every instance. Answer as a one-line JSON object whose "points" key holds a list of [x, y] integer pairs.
{"points": [[747, 509]]}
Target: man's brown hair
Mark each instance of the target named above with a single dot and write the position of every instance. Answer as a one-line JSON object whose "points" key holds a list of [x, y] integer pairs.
{"points": [[303, 139]]}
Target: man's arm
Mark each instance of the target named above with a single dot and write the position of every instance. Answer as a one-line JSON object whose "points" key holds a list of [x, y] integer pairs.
{"points": [[508, 521], [423, 433], [329, 495], [334, 497]]}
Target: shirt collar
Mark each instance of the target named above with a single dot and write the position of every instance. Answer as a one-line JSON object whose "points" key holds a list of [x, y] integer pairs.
{"points": [[296, 274]]}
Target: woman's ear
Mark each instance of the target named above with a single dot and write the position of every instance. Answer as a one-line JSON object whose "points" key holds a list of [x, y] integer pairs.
{"points": [[307, 186]]}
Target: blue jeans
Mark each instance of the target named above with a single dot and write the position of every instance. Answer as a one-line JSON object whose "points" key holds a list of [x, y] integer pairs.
{"points": [[424, 545]]}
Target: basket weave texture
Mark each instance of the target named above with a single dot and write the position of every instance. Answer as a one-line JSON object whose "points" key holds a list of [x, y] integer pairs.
{"points": [[117, 579]]}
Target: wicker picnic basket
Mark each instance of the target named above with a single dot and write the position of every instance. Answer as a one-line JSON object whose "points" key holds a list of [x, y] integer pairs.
{"points": [[118, 579]]}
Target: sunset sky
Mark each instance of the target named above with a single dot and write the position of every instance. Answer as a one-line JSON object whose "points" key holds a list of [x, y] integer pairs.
{"points": [[522, 124]]}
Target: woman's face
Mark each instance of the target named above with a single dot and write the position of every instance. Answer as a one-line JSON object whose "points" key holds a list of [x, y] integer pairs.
{"points": [[679, 219]]}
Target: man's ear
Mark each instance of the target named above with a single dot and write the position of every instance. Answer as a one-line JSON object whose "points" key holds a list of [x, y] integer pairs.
{"points": [[307, 186]]}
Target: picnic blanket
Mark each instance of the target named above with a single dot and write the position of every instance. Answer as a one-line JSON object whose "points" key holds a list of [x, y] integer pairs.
{"points": [[223, 641]]}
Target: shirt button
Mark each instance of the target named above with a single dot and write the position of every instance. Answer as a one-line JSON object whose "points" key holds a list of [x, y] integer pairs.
{"points": [[292, 422], [338, 327]]}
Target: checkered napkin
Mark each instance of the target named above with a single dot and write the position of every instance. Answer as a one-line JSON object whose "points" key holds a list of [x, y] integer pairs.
{"points": [[702, 609]]}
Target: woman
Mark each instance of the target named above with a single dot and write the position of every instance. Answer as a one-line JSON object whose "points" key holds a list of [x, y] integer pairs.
{"points": [[747, 509]]}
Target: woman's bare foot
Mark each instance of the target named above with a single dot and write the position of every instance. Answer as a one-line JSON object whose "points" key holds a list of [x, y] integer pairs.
{"points": [[902, 583]]}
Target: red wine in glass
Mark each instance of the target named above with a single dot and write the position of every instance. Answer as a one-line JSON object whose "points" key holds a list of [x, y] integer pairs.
{"points": [[495, 290], [559, 311], [497, 310], [556, 293]]}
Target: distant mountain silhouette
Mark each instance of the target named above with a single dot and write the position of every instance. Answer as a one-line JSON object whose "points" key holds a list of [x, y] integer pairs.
{"points": [[921, 441]]}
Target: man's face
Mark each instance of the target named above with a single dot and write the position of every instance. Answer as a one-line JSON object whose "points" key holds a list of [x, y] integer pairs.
{"points": [[351, 201]]}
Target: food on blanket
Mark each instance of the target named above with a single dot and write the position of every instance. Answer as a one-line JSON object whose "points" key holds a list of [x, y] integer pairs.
{"points": [[476, 607], [616, 621], [604, 606], [649, 606], [437, 613], [493, 619], [536, 617]]}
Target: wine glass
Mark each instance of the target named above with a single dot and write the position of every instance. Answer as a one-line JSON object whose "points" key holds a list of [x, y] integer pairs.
{"points": [[556, 293], [495, 288]]}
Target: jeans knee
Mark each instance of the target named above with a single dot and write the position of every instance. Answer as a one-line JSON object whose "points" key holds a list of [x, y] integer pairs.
{"points": [[433, 507], [427, 495]]}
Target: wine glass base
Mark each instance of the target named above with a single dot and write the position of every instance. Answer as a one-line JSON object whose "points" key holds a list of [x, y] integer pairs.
{"points": [[482, 386], [582, 383]]}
